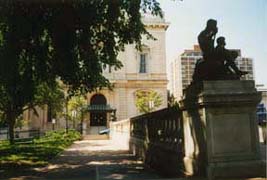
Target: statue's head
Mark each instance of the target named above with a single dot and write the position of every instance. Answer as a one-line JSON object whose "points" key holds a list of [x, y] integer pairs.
{"points": [[234, 54], [221, 41], [211, 24]]}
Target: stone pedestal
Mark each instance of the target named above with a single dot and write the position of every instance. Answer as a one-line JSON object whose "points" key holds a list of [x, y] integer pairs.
{"points": [[220, 130]]}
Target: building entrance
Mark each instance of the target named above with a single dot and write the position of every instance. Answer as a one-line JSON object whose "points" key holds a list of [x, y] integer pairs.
{"points": [[98, 119], [98, 116]]}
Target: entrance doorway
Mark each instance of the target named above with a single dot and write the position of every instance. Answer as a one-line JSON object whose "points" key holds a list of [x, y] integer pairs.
{"points": [[98, 118]]}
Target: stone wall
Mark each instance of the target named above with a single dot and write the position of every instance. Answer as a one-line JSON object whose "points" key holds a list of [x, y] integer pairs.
{"points": [[120, 133]]}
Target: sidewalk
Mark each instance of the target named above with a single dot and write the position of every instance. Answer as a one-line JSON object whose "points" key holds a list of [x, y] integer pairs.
{"points": [[97, 160]]}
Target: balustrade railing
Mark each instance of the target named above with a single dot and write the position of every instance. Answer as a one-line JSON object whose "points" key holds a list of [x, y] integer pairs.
{"points": [[120, 133], [157, 138], [159, 127]]}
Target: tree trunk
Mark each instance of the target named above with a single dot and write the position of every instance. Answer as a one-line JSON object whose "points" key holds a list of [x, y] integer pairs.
{"points": [[11, 119], [66, 117]]}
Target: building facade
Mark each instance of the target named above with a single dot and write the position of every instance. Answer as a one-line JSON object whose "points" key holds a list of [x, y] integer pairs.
{"points": [[182, 69], [143, 70]]}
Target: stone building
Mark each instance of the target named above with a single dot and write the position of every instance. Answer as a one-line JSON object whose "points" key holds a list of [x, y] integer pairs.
{"points": [[142, 70]]}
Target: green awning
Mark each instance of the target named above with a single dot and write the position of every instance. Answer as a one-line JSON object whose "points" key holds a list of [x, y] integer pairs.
{"points": [[106, 108]]}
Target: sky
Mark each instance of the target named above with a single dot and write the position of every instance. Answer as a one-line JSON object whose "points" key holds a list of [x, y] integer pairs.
{"points": [[242, 22]]}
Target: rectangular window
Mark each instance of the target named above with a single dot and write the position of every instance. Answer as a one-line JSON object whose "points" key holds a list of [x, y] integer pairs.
{"points": [[142, 63]]}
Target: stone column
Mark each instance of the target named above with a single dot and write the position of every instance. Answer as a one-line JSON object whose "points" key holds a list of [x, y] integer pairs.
{"points": [[86, 123], [220, 130]]}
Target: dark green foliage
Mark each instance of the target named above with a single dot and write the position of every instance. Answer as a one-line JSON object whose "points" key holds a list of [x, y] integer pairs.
{"points": [[52, 95], [3, 123], [72, 40], [36, 152]]}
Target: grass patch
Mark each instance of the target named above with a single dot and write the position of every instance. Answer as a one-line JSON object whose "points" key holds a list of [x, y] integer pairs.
{"points": [[36, 152]]}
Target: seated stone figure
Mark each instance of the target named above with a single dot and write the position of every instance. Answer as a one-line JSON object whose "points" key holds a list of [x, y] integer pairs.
{"points": [[224, 62], [217, 63], [206, 39], [206, 43]]}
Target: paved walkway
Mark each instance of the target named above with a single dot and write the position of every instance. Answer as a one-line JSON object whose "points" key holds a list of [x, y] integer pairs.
{"points": [[96, 160]]}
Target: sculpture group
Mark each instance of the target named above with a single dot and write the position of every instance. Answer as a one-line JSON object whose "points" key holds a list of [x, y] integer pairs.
{"points": [[217, 62]]}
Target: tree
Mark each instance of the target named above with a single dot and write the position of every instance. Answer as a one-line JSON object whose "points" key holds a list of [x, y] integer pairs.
{"points": [[147, 101], [72, 40], [51, 95], [75, 108]]}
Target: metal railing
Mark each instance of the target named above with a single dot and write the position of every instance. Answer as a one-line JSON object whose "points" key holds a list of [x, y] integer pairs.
{"points": [[21, 134]]}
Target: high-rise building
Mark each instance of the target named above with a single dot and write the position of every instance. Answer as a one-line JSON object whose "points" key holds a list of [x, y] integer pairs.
{"points": [[182, 69]]}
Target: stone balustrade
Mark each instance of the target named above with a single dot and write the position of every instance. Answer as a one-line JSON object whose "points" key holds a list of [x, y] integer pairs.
{"points": [[214, 134], [157, 139], [120, 133]]}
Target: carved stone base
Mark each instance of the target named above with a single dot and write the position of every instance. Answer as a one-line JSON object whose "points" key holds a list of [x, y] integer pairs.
{"points": [[236, 169], [220, 130]]}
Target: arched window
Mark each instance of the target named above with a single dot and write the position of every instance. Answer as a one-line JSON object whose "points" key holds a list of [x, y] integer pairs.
{"points": [[98, 99]]}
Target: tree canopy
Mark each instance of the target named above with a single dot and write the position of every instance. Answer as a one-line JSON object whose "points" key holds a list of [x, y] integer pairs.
{"points": [[72, 40], [147, 101]]}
